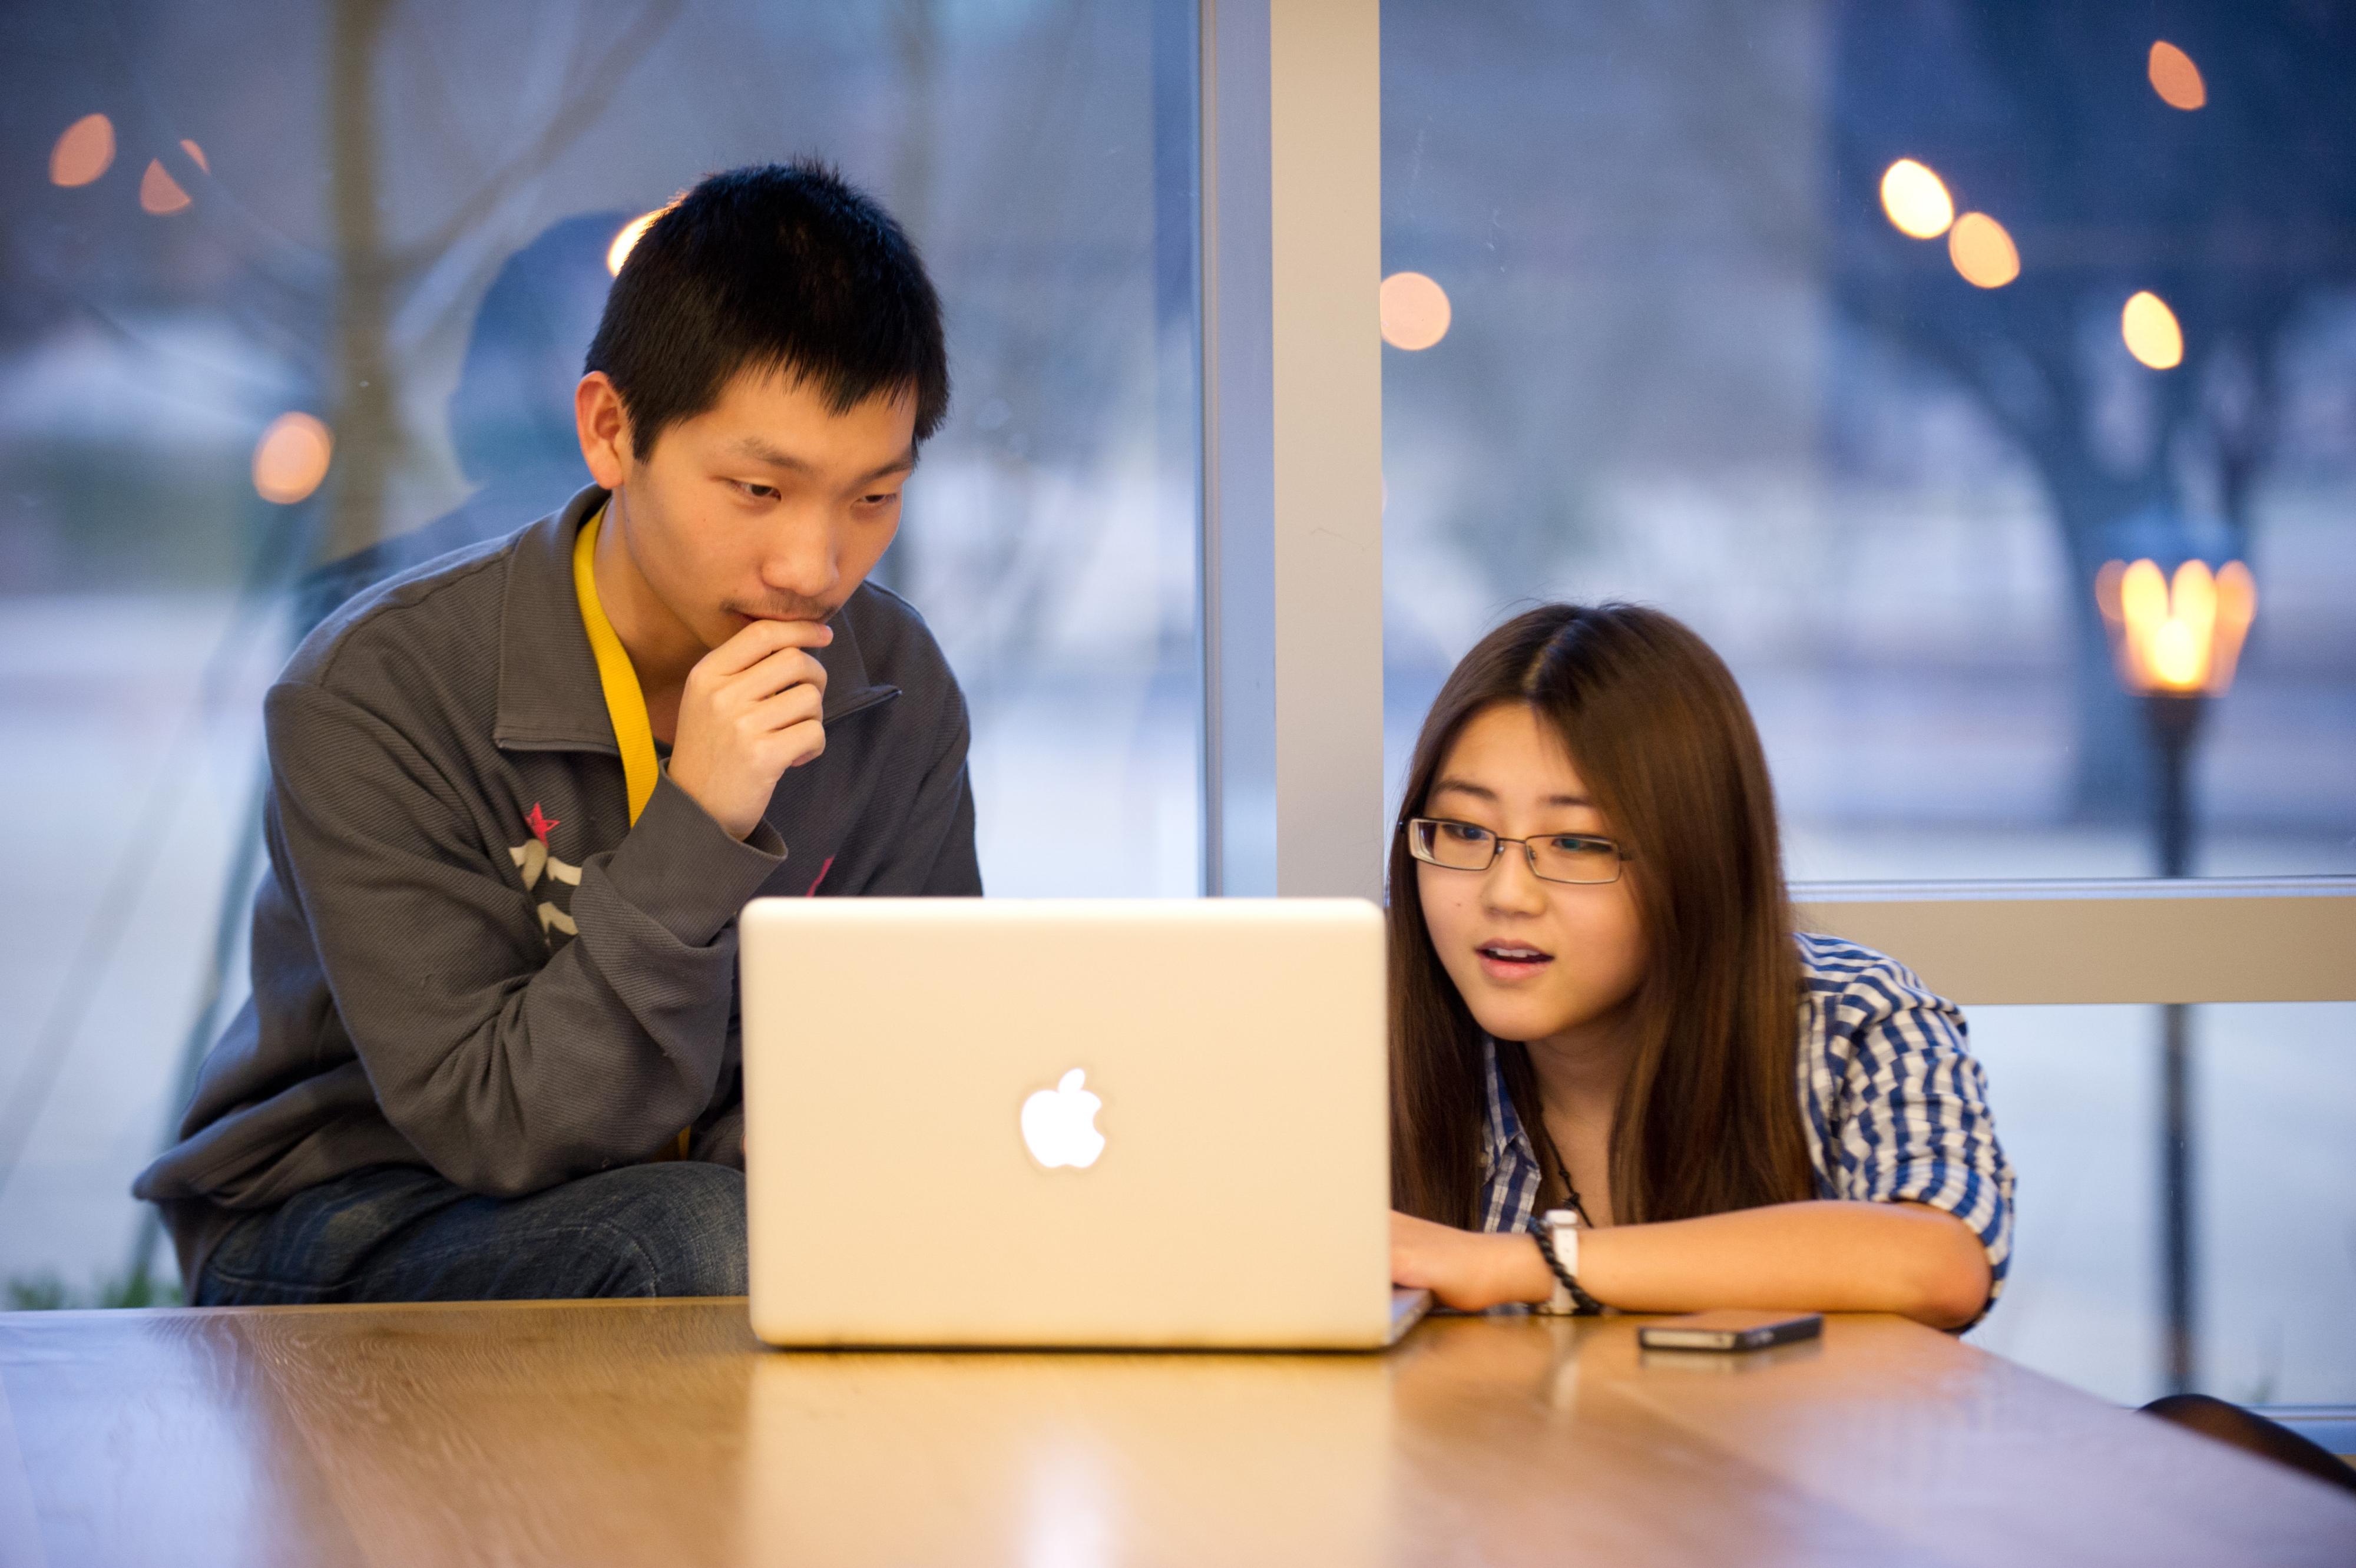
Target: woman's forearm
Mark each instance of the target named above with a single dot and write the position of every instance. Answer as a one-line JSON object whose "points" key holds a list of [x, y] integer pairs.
{"points": [[1819, 1257], [1824, 1256]]}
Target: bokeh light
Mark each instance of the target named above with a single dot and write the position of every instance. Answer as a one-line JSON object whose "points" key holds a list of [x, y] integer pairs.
{"points": [[2180, 645], [83, 152], [2237, 607], [1415, 311], [2151, 332], [1916, 199], [196, 155], [2175, 77], [291, 458], [2180, 636], [1982, 252], [626, 239], [159, 192]]}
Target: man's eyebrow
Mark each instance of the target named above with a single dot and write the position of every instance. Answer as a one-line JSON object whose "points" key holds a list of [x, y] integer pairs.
{"points": [[1483, 792], [760, 451], [903, 464]]}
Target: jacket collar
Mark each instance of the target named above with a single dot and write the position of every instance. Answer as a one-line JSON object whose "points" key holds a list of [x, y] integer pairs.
{"points": [[550, 699]]}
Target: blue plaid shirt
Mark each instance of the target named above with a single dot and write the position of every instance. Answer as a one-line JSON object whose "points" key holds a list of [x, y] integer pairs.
{"points": [[1896, 1109]]}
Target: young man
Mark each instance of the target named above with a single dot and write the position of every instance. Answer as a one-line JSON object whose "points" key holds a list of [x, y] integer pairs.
{"points": [[518, 795]]}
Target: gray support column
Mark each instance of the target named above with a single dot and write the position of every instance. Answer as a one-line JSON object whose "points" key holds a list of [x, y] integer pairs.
{"points": [[1292, 447]]}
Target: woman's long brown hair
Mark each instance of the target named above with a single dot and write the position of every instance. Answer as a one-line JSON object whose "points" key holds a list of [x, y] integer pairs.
{"points": [[1708, 1119]]}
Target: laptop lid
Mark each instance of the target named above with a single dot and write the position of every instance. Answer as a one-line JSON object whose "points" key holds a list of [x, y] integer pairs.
{"points": [[1067, 1123]]}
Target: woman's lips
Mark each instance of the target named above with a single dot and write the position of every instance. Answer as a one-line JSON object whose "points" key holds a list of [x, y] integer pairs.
{"points": [[1510, 961]]}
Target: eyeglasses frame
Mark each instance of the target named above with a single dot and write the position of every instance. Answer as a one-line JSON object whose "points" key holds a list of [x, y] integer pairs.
{"points": [[1529, 855]]}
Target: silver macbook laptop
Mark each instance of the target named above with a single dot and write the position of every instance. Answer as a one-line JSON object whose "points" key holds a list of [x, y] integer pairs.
{"points": [[1069, 1123]]}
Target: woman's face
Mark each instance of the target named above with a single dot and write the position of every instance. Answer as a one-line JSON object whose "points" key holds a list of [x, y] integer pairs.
{"points": [[1533, 959]]}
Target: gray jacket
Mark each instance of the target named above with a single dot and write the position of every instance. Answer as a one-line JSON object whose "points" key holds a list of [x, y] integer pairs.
{"points": [[464, 955]]}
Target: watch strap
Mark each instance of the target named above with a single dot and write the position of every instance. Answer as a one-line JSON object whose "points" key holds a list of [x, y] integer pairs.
{"points": [[1558, 1237]]}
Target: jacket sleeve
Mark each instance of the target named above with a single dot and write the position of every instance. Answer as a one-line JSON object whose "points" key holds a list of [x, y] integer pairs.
{"points": [[508, 1068]]}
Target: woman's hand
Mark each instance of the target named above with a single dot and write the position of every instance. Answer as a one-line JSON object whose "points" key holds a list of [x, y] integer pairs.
{"points": [[1471, 1271]]}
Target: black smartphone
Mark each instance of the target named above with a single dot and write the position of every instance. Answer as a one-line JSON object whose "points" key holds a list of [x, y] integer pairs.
{"points": [[1731, 1330]]}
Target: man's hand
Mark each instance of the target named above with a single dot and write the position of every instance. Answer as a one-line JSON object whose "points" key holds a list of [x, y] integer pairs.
{"points": [[749, 711], [1471, 1271]]}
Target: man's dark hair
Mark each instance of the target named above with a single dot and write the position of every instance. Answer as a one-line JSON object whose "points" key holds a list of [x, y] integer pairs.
{"points": [[778, 267]]}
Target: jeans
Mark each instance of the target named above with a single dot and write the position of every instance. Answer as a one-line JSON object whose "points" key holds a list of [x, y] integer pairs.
{"points": [[402, 1233]]}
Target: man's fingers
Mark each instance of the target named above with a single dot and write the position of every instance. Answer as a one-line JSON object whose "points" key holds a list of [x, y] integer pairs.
{"points": [[795, 705], [753, 707], [760, 639], [808, 739], [773, 673], [780, 672], [789, 746]]}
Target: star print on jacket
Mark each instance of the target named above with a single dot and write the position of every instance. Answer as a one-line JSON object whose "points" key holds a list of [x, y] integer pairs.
{"points": [[532, 859]]}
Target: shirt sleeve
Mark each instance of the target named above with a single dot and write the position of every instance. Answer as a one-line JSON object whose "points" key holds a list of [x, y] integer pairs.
{"points": [[1914, 1123]]}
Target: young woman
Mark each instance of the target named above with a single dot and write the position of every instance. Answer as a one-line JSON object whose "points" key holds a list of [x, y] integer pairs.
{"points": [[1607, 1037]]}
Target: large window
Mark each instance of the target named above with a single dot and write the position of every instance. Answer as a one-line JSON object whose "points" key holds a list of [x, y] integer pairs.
{"points": [[2079, 1105], [1969, 373], [1863, 336], [1692, 359], [238, 233]]}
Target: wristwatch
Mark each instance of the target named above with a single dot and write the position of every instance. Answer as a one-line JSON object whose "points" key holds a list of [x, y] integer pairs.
{"points": [[1557, 1239]]}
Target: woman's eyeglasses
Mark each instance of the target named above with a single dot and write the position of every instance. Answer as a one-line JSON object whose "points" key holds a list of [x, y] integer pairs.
{"points": [[1558, 857]]}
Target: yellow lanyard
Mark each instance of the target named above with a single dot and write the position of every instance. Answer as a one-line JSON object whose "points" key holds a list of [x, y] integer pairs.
{"points": [[625, 705]]}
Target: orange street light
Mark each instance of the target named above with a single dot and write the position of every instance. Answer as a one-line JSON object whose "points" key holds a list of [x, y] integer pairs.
{"points": [[292, 458], [2180, 640], [2150, 331], [2177, 644], [2175, 77], [159, 193], [83, 152], [1414, 311], [1916, 199], [1982, 253]]}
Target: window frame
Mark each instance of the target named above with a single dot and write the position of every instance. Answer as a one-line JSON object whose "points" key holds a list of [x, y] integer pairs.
{"points": [[1291, 606]]}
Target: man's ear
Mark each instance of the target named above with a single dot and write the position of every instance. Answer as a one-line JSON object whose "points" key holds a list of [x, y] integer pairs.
{"points": [[603, 425]]}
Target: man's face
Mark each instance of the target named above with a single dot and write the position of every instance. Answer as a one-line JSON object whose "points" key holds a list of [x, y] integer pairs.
{"points": [[767, 505]]}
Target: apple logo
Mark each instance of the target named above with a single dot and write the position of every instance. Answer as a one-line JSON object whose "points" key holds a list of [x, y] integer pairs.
{"points": [[1059, 1124]]}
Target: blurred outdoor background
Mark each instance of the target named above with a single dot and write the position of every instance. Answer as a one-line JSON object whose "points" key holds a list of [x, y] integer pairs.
{"points": [[393, 218], [1690, 359], [1687, 358]]}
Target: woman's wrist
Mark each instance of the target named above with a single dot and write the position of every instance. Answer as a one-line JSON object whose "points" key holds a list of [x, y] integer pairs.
{"points": [[1472, 1271], [1518, 1271]]}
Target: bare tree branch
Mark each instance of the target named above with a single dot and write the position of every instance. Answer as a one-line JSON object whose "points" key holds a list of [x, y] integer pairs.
{"points": [[576, 116]]}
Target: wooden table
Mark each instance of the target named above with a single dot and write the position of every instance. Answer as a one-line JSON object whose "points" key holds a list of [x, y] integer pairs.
{"points": [[660, 1433]]}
